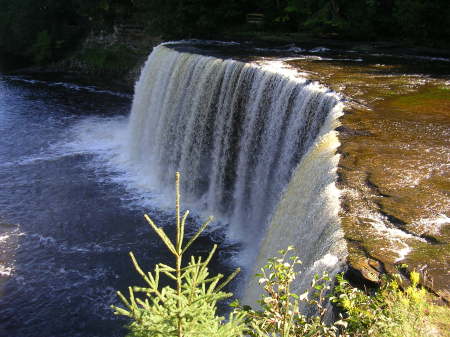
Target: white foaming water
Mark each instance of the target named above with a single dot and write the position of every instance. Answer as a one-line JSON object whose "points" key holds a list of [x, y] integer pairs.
{"points": [[8, 239], [201, 42], [288, 48], [5, 271], [108, 139], [67, 85], [88, 247], [432, 225], [319, 50], [398, 240], [235, 131], [240, 134], [307, 217]]}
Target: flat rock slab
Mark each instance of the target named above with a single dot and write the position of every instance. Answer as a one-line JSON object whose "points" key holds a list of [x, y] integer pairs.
{"points": [[395, 163]]}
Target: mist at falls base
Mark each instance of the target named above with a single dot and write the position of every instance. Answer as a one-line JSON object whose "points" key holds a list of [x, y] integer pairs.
{"points": [[256, 147]]}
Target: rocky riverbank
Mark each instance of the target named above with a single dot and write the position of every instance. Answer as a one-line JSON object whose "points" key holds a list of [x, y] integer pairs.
{"points": [[394, 167]]}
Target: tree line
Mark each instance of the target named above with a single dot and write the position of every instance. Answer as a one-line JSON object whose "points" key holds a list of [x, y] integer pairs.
{"points": [[40, 31]]}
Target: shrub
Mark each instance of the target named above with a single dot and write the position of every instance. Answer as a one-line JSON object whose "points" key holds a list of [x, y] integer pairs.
{"points": [[189, 308], [280, 313], [392, 310]]}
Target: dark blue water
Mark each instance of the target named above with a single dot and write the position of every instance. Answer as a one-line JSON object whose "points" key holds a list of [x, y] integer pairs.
{"points": [[66, 225]]}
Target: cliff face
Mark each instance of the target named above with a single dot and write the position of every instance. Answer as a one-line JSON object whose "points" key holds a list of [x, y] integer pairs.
{"points": [[117, 56]]}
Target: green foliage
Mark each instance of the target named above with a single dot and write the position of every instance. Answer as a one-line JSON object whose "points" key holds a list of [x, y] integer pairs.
{"points": [[115, 59], [280, 313], [320, 16], [392, 310], [424, 21], [189, 308], [186, 18], [42, 48]]}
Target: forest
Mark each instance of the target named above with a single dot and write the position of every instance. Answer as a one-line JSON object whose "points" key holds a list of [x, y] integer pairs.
{"points": [[36, 32]]}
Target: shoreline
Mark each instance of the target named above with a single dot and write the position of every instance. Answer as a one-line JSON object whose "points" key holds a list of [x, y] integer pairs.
{"points": [[82, 65]]}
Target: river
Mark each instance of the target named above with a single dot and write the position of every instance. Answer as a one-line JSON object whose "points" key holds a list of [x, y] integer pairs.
{"points": [[67, 220]]}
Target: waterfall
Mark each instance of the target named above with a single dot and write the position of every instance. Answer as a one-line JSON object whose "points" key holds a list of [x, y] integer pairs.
{"points": [[306, 216], [241, 134]]}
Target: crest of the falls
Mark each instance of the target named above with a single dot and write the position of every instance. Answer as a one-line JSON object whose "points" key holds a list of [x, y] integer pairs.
{"points": [[241, 134]]}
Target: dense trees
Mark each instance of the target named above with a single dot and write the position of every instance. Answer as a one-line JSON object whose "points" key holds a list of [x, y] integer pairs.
{"points": [[418, 20], [182, 18], [38, 30], [44, 30]]}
